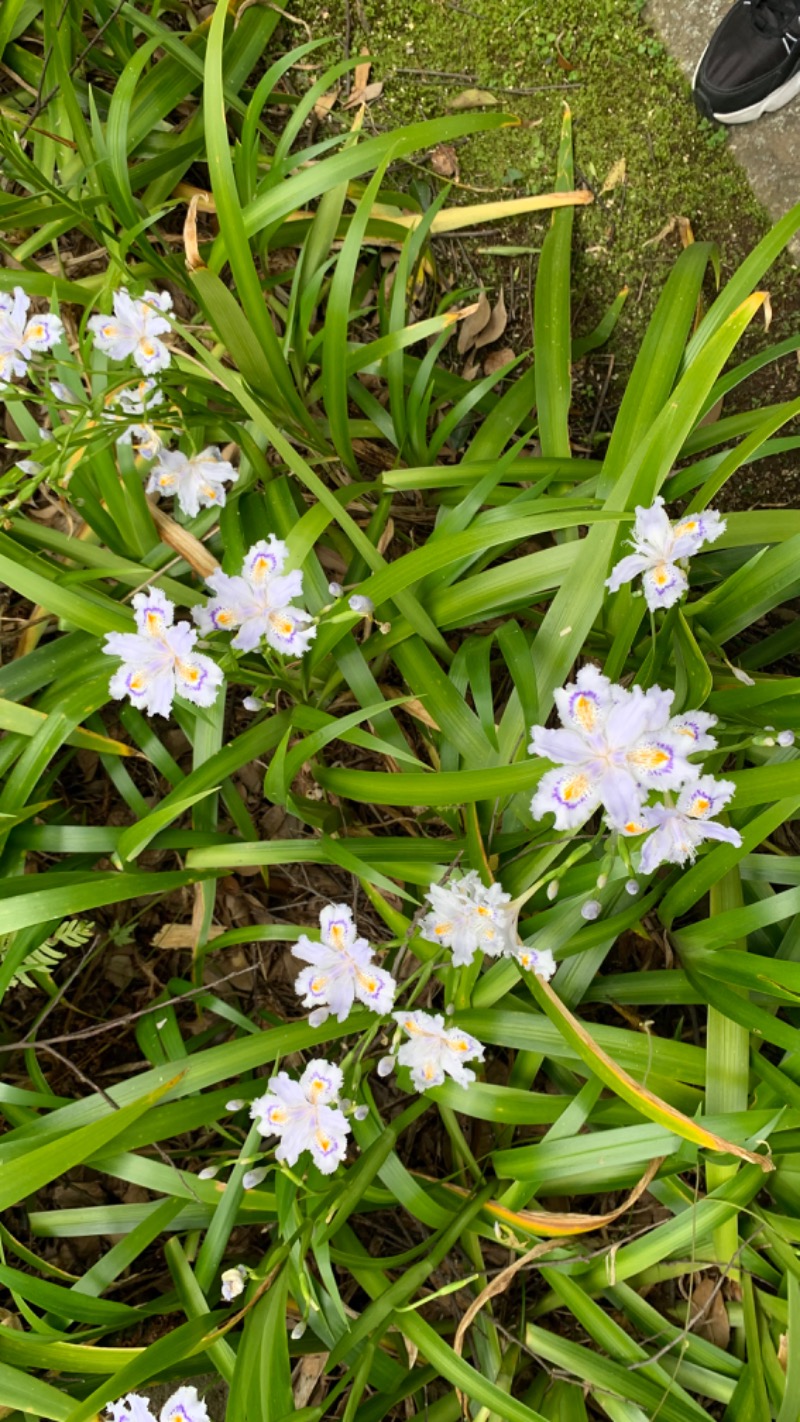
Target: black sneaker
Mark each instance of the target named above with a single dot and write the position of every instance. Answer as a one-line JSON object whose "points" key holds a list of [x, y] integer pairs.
{"points": [[751, 65]]}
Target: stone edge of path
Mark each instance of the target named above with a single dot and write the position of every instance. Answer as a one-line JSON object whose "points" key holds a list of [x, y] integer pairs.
{"points": [[769, 149]]}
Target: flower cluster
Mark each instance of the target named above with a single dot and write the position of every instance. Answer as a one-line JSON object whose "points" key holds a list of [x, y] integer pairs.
{"points": [[468, 917], [660, 547], [197, 481], [183, 1406], [258, 604], [158, 660], [135, 330], [341, 970], [22, 335], [305, 1115], [614, 747], [434, 1051]]}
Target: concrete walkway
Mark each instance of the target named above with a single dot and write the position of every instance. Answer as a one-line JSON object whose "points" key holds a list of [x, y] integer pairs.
{"points": [[768, 150]]}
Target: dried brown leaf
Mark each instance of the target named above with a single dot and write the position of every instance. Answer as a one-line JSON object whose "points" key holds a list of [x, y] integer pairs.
{"points": [[362, 72], [472, 99], [417, 709], [386, 537], [306, 1376], [364, 96], [709, 1314], [711, 416], [181, 935], [193, 259], [183, 542], [444, 160], [325, 103], [496, 360], [496, 324], [474, 324]]}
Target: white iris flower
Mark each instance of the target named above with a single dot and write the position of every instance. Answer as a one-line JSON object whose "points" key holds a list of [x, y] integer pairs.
{"points": [[659, 546], [258, 604], [305, 1115], [341, 969], [434, 1051], [158, 660], [536, 960], [183, 1406], [613, 746], [22, 335], [468, 917], [678, 830], [135, 330], [197, 481]]}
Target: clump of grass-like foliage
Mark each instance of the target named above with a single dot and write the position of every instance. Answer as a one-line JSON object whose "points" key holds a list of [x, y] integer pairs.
{"points": [[516, 1139]]}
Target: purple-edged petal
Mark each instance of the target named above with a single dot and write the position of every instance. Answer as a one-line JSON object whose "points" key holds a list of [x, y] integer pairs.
{"points": [[692, 531], [572, 797], [664, 585], [153, 612]]}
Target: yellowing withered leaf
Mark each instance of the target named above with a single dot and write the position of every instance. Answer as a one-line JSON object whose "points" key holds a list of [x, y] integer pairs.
{"points": [[474, 324], [496, 324], [683, 226], [615, 176], [472, 99]]}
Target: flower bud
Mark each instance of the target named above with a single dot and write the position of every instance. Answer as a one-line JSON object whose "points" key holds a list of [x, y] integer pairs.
{"points": [[232, 1282]]}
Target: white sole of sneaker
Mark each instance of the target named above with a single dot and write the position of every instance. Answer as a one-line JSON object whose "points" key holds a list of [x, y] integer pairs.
{"points": [[770, 105]]}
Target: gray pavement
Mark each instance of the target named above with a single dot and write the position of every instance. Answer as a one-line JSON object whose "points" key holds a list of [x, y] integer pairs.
{"points": [[768, 150]]}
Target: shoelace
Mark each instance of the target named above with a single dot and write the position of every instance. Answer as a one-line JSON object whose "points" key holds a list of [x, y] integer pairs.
{"points": [[773, 17]]}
